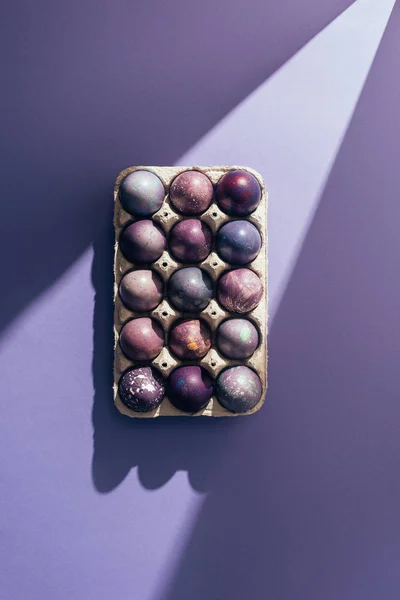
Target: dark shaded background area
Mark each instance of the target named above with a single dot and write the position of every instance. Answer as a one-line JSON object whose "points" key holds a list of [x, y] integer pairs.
{"points": [[305, 498], [90, 87]]}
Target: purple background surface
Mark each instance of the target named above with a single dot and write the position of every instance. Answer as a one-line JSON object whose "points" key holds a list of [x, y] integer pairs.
{"points": [[301, 501]]}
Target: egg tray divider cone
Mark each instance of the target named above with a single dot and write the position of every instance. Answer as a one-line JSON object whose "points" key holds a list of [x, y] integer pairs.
{"points": [[166, 314]]}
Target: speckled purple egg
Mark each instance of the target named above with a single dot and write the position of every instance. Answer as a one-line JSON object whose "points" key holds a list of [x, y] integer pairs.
{"points": [[141, 339], [238, 242], [141, 193], [141, 290], [190, 289], [142, 242], [190, 241], [190, 388], [190, 339], [191, 193], [238, 193], [237, 338], [141, 389], [238, 389], [240, 290]]}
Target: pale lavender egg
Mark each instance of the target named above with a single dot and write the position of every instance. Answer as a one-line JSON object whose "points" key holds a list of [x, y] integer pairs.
{"points": [[238, 389], [142, 193], [237, 338], [141, 290]]}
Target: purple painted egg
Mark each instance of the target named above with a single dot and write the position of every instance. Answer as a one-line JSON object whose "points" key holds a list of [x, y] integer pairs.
{"points": [[141, 339], [191, 193], [141, 290], [141, 193], [190, 289], [238, 389], [238, 242], [238, 193], [190, 339], [190, 241], [141, 389], [237, 338], [190, 388], [240, 290], [142, 242]]}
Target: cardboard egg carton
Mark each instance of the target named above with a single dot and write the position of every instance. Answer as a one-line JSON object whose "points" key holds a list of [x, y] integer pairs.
{"points": [[166, 314]]}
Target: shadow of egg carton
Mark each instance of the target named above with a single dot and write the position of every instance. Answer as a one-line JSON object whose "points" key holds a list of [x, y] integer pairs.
{"points": [[166, 314]]}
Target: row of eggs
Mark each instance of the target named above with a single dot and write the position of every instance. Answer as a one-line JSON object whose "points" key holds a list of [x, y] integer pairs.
{"points": [[190, 388], [189, 339], [190, 289], [190, 241], [238, 193]]}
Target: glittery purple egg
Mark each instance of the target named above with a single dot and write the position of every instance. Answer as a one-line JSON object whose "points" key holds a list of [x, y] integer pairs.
{"points": [[141, 389], [240, 290], [191, 193], [190, 240], [238, 242], [141, 290], [190, 339], [237, 338], [142, 193], [238, 193], [190, 289], [238, 389], [141, 339], [190, 388], [142, 242]]}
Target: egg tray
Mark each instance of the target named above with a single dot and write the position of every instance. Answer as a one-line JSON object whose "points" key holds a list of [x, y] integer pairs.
{"points": [[166, 314]]}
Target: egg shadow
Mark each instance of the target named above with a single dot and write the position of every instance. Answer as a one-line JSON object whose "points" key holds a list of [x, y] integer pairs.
{"points": [[158, 447]]}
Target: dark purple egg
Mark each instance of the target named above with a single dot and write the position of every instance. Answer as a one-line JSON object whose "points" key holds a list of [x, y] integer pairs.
{"points": [[141, 193], [141, 389], [238, 242], [190, 388], [142, 339], [237, 338], [190, 240], [238, 193], [190, 289], [238, 389], [240, 290], [141, 290], [142, 242], [191, 193], [190, 339]]}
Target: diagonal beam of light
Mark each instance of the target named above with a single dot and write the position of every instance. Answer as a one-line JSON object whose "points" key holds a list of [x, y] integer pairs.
{"points": [[291, 127]]}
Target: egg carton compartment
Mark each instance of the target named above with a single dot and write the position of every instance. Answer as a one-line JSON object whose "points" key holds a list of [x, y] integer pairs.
{"points": [[167, 315]]}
